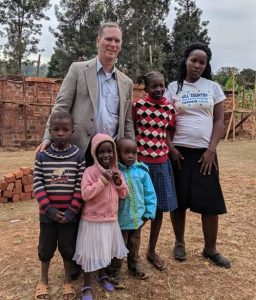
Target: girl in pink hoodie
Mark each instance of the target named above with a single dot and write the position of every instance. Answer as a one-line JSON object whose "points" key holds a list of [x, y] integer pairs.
{"points": [[99, 237]]}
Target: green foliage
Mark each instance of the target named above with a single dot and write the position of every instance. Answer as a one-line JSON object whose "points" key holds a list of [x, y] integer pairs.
{"points": [[187, 29], [224, 75], [76, 33], [144, 35], [30, 69], [21, 25], [143, 28], [244, 84]]}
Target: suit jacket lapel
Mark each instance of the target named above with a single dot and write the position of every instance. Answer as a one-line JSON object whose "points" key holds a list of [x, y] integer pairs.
{"points": [[121, 92], [92, 82]]}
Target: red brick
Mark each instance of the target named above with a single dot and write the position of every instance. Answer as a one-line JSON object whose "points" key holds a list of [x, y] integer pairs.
{"points": [[3, 185], [7, 194], [10, 186], [30, 179], [17, 190], [25, 170], [22, 196], [3, 200], [18, 183], [9, 177], [15, 197], [24, 179], [28, 188], [28, 196], [18, 174]]}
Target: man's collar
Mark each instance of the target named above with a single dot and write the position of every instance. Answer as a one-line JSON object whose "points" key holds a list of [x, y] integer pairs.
{"points": [[100, 67]]}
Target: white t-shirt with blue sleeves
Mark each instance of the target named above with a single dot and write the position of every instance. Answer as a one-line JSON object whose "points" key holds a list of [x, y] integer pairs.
{"points": [[194, 111]]}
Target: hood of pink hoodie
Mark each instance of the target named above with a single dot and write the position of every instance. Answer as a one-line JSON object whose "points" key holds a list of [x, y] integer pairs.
{"points": [[96, 141]]}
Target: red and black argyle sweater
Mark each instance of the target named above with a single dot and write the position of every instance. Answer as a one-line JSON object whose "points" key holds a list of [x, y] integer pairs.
{"points": [[151, 119]]}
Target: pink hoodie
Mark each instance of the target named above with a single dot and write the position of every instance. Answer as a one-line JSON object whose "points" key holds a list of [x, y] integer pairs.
{"points": [[101, 196]]}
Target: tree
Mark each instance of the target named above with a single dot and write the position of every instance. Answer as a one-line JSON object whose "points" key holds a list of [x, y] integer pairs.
{"points": [[187, 29], [142, 22], [247, 77], [224, 74], [21, 21], [144, 35], [76, 33]]}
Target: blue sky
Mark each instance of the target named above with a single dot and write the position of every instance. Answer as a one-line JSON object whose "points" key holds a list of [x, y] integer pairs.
{"points": [[232, 28]]}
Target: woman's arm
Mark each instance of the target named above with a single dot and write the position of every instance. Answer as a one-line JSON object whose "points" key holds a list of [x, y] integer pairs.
{"points": [[208, 158]]}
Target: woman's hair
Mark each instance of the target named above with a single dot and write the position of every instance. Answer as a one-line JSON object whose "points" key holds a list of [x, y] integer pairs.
{"points": [[148, 77], [183, 69]]}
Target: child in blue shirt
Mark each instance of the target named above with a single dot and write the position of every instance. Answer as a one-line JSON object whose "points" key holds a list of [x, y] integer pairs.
{"points": [[138, 207]]}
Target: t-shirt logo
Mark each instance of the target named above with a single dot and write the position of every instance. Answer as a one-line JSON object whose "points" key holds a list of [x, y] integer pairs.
{"points": [[59, 176], [195, 98]]}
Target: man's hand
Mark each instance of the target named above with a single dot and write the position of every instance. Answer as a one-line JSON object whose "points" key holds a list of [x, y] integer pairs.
{"points": [[42, 146]]}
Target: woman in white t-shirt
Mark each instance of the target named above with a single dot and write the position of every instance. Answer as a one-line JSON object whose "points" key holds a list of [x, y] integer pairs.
{"points": [[199, 125]]}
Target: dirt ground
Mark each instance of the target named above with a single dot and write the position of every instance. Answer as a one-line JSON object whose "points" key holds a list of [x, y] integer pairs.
{"points": [[196, 278]]}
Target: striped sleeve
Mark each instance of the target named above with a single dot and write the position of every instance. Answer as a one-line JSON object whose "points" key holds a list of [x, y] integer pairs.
{"points": [[39, 186], [77, 201]]}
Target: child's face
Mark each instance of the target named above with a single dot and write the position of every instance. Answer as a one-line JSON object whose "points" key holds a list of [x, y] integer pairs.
{"points": [[61, 131], [156, 87], [105, 154], [127, 152]]}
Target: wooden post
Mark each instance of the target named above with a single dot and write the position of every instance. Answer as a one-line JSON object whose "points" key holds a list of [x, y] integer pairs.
{"points": [[25, 111], [233, 105], [253, 107], [38, 65]]}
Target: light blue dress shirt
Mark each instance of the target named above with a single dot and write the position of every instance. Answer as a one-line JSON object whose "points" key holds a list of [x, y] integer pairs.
{"points": [[107, 115]]}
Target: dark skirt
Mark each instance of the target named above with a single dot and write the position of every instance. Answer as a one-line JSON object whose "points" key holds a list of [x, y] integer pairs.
{"points": [[162, 178], [201, 193]]}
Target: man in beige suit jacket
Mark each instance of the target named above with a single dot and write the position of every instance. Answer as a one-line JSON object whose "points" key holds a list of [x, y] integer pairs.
{"points": [[79, 92]]}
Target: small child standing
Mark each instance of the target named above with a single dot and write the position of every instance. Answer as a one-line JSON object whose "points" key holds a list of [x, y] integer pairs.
{"points": [[154, 121], [99, 236], [138, 207], [57, 177]]}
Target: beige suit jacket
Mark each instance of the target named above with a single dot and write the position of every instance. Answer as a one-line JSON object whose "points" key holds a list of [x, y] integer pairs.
{"points": [[78, 95]]}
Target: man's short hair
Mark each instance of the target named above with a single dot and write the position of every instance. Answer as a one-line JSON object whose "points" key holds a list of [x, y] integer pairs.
{"points": [[107, 25]]}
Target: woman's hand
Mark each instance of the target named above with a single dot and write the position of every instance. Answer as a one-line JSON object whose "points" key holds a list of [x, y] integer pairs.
{"points": [[176, 156], [207, 160]]}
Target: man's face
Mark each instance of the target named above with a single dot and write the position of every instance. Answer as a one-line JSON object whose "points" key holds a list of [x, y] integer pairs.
{"points": [[109, 44]]}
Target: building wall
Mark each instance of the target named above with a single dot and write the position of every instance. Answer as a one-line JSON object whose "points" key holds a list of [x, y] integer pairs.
{"points": [[24, 109], [25, 104]]}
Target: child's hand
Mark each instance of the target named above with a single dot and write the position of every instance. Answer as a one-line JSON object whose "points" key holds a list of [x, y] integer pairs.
{"points": [[108, 174], [116, 178], [63, 220], [59, 216]]}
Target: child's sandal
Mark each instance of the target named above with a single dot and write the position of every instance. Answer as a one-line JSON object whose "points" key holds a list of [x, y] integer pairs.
{"points": [[105, 283], [68, 292], [87, 296], [42, 291]]}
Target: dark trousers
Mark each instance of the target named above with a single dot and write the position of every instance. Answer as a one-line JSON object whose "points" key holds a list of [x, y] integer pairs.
{"points": [[55, 234], [132, 242]]}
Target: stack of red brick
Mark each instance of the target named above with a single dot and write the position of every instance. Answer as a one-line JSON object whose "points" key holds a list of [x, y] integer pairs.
{"points": [[17, 186]]}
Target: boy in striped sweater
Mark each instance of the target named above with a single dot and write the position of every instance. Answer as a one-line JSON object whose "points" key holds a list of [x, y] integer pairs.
{"points": [[57, 176]]}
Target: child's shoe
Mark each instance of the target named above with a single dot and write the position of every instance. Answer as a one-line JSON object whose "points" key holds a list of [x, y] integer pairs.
{"points": [[117, 280], [138, 271]]}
